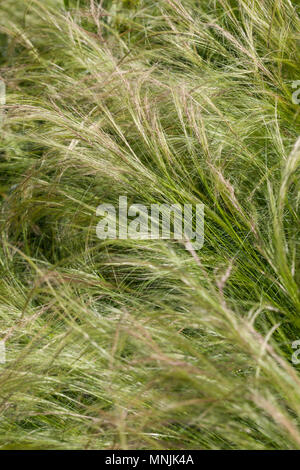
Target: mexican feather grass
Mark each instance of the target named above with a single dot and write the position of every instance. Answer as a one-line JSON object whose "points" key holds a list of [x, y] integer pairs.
{"points": [[149, 344]]}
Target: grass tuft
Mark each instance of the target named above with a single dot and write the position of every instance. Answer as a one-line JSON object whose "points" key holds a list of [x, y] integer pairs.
{"points": [[140, 344]]}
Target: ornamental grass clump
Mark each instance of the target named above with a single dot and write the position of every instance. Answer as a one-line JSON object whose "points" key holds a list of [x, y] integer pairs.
{"points": [[123, 343]]}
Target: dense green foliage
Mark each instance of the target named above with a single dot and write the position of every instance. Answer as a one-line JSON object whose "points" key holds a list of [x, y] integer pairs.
{"points": [[148, 344]]}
